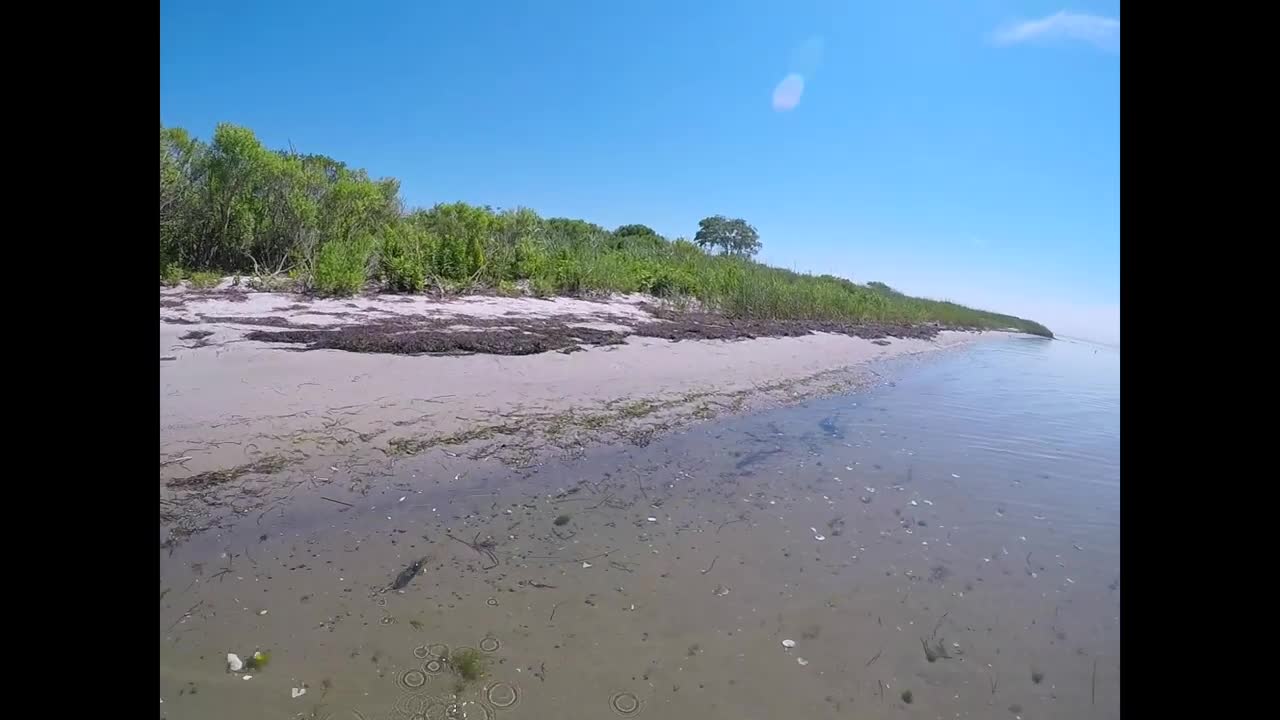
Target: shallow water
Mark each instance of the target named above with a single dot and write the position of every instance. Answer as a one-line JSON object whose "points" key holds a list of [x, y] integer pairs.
{"points": [[965, 510]]}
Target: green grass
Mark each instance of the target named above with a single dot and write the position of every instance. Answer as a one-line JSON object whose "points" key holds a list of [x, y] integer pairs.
{"points": [[205, 280]]}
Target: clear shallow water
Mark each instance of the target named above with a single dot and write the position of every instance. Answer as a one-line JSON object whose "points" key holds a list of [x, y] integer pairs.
{"points": [[966, 509]]}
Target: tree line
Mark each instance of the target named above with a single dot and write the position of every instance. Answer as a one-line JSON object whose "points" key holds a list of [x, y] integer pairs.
{"points": [[231, 206]]}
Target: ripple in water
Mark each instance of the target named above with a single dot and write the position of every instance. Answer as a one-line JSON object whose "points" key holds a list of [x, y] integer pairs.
{"points": [[438, 650], [502, 695], [413, 679], [490, 644], [625, 703], [415, 705]]}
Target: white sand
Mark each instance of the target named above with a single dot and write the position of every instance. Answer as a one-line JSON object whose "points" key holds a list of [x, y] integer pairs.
{"points": [[234, 400]]}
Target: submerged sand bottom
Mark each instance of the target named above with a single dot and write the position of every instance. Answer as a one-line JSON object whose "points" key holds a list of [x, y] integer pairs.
{"points": [[669, 591]]}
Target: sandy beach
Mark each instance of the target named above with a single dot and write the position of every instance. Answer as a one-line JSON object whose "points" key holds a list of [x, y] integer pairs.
{"points": [[238, 409]]}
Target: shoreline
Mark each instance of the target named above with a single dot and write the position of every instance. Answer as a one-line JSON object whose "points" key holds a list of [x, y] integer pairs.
{"points": [[239, 417]]}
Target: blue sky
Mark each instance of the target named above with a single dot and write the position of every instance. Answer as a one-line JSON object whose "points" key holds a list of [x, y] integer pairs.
{"points": [[959, 150]]}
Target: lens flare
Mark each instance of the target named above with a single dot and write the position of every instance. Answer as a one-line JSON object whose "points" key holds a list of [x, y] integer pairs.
{"points": [[786, 96]]}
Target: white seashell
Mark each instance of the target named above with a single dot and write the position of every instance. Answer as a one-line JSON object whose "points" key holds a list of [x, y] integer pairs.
{"points": [[788, 644], [234, 663], [586, 564], [802, 661], [297, 692]]}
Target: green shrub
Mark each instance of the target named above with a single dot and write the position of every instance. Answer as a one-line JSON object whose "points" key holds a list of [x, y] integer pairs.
{"points": [[341, 267], [171, 276], [542, 286], [401, 261], [567, 274], [205, 280], [531, 259]]}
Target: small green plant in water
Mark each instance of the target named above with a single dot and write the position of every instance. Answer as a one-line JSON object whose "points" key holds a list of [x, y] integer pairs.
{"points": [[562, 520], [468, 664], [258, 661]]}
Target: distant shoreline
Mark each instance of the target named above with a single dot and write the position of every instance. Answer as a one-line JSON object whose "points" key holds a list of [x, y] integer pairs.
{"points": [[235, 409]]}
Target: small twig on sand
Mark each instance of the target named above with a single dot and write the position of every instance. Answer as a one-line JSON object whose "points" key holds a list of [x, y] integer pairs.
{"points": [[591, 557], [605, 501], [994, 682], [881, 690], [553, 612], [184, 615], [1093, 685], [874, 657], [713, 564], [729, 522], [935, 627], [485, 548], [640, 482], [322, 497]]}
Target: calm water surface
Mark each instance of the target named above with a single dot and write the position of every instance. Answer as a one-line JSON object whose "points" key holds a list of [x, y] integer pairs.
{"points": [[943, 545]]}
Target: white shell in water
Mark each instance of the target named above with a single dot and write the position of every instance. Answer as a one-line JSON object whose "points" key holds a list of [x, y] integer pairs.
{"points": [[788, 644], [802, 661], [234, 663], [297, 692]]}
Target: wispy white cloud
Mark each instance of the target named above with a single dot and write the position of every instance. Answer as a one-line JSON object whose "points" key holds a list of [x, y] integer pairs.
{"points": [[1101, 32]]}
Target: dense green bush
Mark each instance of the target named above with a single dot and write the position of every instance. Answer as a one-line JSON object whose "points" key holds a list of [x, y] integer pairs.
{"points": [[232, 206], [403, 257], [341, 266]]}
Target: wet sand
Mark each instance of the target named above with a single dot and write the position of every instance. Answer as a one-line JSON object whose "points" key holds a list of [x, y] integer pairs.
{"points": [[684, 565], [235, 412]]}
